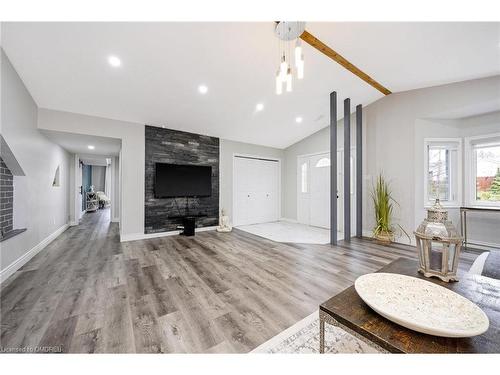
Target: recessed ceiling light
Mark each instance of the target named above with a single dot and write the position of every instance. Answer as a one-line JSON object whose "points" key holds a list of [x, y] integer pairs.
{"points": [[202, 89], [259, 107], [114, 61], [298, 120], [90, 147]]}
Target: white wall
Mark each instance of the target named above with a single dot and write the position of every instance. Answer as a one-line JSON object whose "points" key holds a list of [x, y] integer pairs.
{"points": [[227, 150], [482, 228], [389, 139], [75, 197], [390, 132], [131, 159], [73, 208], [38, 206], [317, 142], [115, 187], [78, 191]]}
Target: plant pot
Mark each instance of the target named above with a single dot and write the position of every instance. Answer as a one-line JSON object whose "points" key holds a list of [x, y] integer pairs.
{"points": [[384, 237]]}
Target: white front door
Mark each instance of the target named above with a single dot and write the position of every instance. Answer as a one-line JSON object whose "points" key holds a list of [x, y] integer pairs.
{"points": [[313, 190], [319, 210], [303, 190], [256, 190]]}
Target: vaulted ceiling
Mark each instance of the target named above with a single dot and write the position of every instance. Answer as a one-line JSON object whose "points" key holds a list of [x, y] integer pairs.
{"points": [[65, 67]]}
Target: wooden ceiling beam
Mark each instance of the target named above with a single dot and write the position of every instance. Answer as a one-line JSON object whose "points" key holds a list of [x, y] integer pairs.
{"points": [[323, 48]]}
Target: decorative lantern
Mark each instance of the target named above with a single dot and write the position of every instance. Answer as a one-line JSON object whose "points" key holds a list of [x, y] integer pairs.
{"points": [[438, 245]]}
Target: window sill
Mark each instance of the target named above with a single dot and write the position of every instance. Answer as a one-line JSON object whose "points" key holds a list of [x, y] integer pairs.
{"points": [[483, 206]]}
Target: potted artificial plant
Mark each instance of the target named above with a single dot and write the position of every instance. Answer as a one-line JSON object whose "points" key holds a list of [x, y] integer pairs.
{"points": [[383, 202]]}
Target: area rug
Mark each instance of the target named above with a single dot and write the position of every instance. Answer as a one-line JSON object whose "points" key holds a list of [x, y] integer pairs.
{"points": [[303, 337]]}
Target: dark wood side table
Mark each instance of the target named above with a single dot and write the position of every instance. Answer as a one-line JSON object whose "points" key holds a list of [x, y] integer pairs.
{"points": [[348, 311], [463, 218]]}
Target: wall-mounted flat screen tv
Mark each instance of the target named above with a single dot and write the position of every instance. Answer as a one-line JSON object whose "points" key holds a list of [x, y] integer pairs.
{"points": [[176, 180]]}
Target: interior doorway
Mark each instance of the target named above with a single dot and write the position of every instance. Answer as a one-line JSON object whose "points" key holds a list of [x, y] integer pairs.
{"points": [[95, 161], [97, 180]]}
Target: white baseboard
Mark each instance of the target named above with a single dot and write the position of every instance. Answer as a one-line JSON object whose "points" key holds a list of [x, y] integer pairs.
{"points": [[21, 261], [288, 220], [403, 240], [73, 223], [115, 220], [142, 236], [367, 233], [472, 244], [481, 245]]}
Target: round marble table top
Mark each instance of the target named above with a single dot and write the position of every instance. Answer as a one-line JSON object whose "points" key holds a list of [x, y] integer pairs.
{"points": [[421, 305]]}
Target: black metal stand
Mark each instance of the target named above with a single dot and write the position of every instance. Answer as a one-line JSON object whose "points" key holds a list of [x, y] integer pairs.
{"points": [[189, 224]]}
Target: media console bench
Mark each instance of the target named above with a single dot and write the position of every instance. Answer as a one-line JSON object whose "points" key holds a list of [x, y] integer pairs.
{"points": [[187, 223]]}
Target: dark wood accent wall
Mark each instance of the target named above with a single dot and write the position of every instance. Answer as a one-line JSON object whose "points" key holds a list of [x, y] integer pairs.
{"points": [[177, 147]]}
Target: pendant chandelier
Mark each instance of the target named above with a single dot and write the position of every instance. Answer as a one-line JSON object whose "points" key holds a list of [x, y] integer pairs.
{"points": [[288, 33]]}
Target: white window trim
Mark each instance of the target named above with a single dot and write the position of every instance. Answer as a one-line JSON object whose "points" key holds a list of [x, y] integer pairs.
{"points": [[470, 171], [323, 163], [456, 203]]}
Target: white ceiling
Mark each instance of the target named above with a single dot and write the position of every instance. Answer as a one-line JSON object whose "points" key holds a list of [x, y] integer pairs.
{"points": [[64, 65], [78, 144]]}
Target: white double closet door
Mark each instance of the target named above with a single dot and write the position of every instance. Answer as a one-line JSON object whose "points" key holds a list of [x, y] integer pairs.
{"points": [[313, 189], [256, 190]]}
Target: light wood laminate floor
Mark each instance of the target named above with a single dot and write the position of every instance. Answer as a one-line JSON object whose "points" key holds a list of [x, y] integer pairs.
{"points": [[216, 292]]}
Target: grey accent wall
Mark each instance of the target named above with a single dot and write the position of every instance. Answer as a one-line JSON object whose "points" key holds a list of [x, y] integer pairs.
{"points": [[176, 147], [6, 198]]}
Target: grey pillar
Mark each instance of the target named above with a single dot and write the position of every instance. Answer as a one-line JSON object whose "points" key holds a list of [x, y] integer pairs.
{"points": [[359, 170], [333, 168], [347, 169]]}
